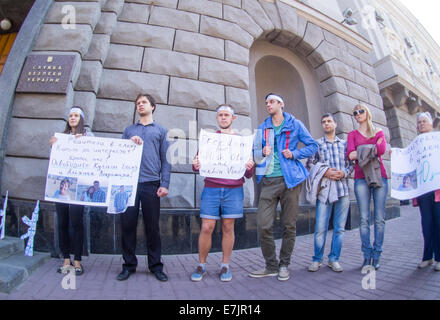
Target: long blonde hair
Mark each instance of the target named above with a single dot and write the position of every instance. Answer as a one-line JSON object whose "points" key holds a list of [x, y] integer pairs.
{"points": [[371, 130]]}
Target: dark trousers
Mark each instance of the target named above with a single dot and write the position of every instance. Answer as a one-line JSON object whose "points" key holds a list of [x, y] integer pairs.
{"points": [[147, 197], [430, 212], [74, 214], [274, 190]]}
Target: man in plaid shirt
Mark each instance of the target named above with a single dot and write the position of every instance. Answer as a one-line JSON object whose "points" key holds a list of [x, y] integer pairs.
{"points": [[332, 151]]}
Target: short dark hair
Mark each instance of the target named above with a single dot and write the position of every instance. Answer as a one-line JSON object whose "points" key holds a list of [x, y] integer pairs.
{"points": [[149, 97], [328, 115]]}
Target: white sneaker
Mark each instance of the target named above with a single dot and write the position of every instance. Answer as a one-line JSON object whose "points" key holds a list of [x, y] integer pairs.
{"points": [[315, 266], [335, 266], [437, 266], [425, 263], [283, 274], [263, 273]]}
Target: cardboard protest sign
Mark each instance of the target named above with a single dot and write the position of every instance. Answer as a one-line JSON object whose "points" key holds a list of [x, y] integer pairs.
{"points": [[224, 155]]}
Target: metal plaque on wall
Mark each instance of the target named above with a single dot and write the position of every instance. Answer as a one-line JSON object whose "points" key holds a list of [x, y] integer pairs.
{"points": [[46, 74]]}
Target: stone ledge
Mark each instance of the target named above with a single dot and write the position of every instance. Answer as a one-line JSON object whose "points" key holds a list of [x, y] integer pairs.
{"points": [[17, 268]]}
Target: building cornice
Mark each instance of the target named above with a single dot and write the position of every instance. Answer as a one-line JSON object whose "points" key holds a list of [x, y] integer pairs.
{"points": [[330, 24], [412, 25]]}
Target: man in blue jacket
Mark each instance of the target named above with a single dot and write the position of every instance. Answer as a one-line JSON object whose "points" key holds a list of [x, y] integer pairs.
{"points": [[281, 173]]}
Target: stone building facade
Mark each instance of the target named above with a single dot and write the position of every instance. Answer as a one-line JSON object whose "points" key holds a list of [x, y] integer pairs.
{"points": [[191, 55]]}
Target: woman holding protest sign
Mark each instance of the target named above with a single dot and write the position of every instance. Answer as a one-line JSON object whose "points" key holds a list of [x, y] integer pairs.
{"points": [[362, 144], [71, 212], [429, 206]]}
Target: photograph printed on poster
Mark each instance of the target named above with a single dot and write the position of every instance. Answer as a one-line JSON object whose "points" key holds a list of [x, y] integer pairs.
{"points": [[120, 198], [91, 191], [61, 188], [404, 182]]}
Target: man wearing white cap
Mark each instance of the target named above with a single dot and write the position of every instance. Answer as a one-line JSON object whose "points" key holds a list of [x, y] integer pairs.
{"points": [[221, 199], [281, 173]]}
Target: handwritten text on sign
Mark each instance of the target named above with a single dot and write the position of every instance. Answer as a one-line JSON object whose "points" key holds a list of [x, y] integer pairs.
{"points": [[224, 155], [87, 170], [416, 169]]}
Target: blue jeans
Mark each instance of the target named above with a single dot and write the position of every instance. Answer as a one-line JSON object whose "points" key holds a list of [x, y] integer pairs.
{"points": [[323, 213], [363, 196]]}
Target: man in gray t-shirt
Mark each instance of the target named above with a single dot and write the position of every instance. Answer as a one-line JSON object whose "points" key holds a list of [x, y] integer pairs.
{"points": [[154, 180]]}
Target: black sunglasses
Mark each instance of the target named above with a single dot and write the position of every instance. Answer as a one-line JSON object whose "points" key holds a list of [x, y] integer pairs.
{"points": [[360, 111]]}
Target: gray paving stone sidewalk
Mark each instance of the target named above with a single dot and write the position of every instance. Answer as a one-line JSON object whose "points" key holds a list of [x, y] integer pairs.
{"points": [[398, 277]]}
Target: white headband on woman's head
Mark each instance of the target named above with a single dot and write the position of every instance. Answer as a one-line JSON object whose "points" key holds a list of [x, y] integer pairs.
{"points": [[426, 115], [77, 110], [275, 97], [225, 108]]}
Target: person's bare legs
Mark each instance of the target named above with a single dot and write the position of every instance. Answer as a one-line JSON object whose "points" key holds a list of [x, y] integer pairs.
{"points": [[205, 238], [228, 239]]}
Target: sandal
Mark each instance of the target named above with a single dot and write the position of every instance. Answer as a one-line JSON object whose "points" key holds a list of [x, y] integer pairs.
{"points": [[64, 269], [79, 270]]}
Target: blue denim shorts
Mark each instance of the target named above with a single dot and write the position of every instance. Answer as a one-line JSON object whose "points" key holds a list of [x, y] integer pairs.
{"points": [[222, 202]]}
